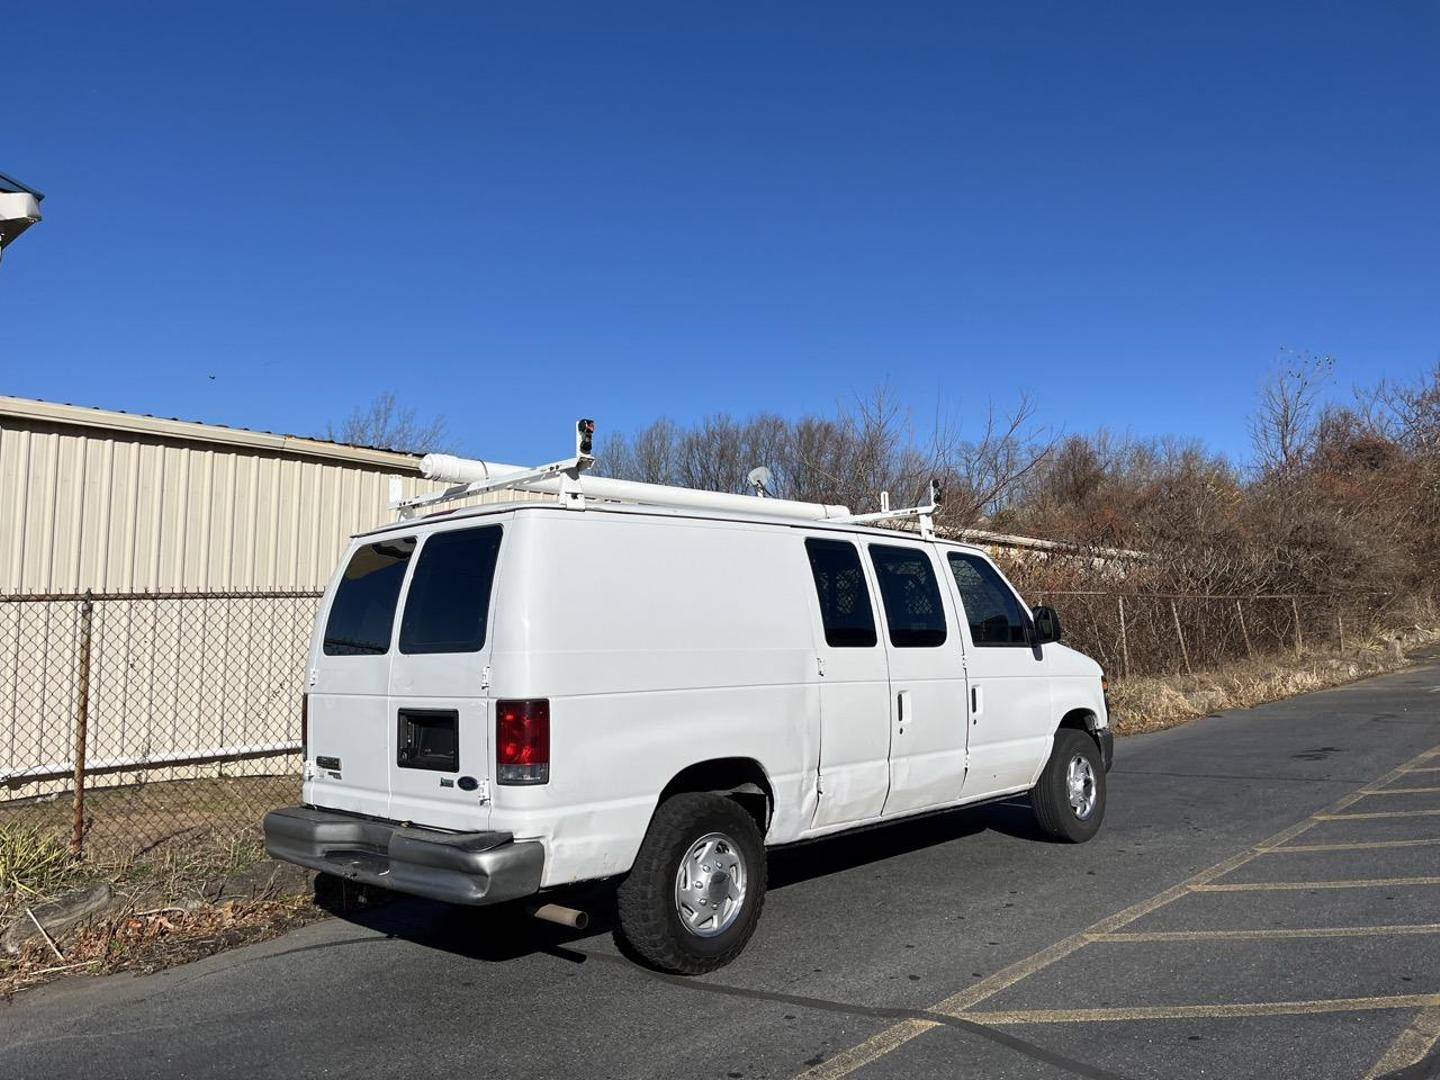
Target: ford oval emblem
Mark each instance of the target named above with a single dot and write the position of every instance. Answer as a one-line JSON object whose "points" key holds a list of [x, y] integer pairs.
{"points": [[468, 783]]}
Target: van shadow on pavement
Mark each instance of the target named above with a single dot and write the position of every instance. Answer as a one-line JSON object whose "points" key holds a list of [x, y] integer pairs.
{"points": [[508, 931]]}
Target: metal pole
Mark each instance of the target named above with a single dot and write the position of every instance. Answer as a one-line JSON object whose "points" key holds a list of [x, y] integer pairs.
{"points": [[1124, 640], [1299, 641], [82, 726], [1240, 611], [1175, 611]]}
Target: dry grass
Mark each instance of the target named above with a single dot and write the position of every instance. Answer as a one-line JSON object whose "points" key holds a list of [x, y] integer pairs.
{"points": [[32, 861], [147, 940], [171, 899], [1155, 702]]}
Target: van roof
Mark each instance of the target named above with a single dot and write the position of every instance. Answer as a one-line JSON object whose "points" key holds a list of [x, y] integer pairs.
{"points": [[593, 506]]}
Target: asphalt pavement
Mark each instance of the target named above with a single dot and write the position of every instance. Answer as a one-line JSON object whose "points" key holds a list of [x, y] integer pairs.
{"points": [[1263, 901]]}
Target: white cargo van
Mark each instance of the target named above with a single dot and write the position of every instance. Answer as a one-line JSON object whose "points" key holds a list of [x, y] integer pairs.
{"points": [[508, 699]]}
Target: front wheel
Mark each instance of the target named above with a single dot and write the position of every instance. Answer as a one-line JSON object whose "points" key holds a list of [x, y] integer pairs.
{"points": [[694, 895], [1069, 800]]}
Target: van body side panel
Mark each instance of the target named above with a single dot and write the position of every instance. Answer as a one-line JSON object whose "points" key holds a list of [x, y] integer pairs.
{"points": [[658, 645]]}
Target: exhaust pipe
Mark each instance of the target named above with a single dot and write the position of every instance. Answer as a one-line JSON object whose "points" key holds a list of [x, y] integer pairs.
{"points": [[562, 916]]}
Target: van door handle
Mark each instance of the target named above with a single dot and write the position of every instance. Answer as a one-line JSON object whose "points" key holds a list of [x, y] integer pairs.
{"points": [[977, 703], [902, 709]]}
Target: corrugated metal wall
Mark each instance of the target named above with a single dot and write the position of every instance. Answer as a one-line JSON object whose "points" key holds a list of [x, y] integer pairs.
{"points": [[91, 508], [117, 503]]}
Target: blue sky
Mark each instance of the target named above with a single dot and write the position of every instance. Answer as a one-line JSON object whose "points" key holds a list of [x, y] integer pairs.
{"points": [[515, 214]]}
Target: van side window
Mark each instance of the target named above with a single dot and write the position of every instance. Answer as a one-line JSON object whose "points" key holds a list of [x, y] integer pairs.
{"points": [[991, 607], [449, 600], [911, 596], [363, 611], [844, 599]]}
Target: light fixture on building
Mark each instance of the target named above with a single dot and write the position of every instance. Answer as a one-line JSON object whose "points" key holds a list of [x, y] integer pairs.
{"points": [[19, 209]]}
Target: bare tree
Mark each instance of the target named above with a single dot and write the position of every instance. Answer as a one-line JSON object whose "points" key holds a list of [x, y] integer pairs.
{"points": [[389, 425], [1282, 430]]}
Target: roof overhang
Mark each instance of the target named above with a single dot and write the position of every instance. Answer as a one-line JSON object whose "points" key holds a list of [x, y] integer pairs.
{"points": [[18, 211]]}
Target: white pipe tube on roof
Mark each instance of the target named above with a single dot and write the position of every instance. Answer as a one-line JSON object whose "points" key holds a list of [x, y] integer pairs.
{"points": [[454, 470]]}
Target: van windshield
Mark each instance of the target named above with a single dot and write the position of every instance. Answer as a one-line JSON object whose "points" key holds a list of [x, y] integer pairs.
{"points": [[363, 611]]}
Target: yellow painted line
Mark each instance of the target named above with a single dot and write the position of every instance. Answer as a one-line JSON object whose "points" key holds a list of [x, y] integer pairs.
{"points": [[877, 1046], [1208, 1012], [1400, 929], [1364, 845], [1423, 768], [1300, 886], [1376, 814], [895, 1036], [1404, 791], [1410, 1046]]}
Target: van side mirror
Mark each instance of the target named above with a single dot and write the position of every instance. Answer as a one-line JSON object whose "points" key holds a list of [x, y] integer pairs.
{"points": [[1047, 625]]}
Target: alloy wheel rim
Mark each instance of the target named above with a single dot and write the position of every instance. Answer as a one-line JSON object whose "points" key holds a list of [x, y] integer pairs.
{"points": [[1080, 787], [710, 885]]}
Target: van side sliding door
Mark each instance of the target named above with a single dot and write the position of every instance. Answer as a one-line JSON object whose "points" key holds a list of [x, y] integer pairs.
{"points": [[927, 679]]}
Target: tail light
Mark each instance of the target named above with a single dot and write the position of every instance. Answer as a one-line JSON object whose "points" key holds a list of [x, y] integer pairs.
{"points": [[522, 741], [304, 727]]}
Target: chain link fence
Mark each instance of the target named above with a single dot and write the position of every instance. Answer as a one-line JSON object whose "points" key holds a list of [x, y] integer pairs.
{"points": [[1134, 634], [128, 719]]}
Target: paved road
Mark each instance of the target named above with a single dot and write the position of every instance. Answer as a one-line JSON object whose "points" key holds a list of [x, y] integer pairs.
{"points": [[959, 946]]}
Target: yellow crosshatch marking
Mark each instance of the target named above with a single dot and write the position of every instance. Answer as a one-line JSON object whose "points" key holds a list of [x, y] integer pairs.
{"points": [[1412, 1044], [1301, 886], [1364, 845], [1405, 791], [1264, 935], [1186, 1012]]}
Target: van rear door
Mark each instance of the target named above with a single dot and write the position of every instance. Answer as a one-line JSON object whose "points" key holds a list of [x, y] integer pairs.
{"points": [[439, 751], [349, 684]]}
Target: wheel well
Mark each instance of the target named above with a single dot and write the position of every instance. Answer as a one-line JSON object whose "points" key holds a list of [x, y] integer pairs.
{"points": [[1080, 720], [742, 779]]}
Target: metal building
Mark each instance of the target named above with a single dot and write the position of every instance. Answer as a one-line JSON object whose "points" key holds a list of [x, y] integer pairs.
{"points": [[115, 501], [158, 584]]}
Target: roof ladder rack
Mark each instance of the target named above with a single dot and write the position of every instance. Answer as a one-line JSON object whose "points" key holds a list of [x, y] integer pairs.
{"points": [[471, 476]]}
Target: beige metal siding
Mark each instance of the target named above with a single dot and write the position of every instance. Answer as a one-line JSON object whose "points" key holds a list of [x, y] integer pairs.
{"points": [[114, 510], [117, 503]]}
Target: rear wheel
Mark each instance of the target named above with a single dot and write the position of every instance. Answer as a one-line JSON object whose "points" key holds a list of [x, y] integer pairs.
{"points": [[1069, 800], [694, 895]]}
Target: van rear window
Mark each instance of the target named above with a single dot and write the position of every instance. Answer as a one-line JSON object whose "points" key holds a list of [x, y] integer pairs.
{"points": [[845, 608], [449, 600], [363, 611]]}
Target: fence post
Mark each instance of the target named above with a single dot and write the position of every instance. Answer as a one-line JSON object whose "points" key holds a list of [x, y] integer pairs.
{"points": [[1175, 611], [1244, 634], [82, 725], [1299, 641], [1124, 640]]}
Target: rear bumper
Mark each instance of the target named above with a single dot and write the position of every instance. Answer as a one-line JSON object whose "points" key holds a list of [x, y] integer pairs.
{"points": [[459, 868]]}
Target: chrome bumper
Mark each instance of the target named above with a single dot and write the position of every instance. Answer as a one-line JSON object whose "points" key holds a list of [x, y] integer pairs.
{"points": [[459, 868]]}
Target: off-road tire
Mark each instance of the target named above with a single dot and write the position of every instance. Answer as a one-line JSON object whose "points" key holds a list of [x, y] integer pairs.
{"points": [[1050, 797], [649, 923]]}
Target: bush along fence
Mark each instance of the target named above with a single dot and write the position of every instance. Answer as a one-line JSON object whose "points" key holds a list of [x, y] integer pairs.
{"points": [[130, 718], [1136, 634]]}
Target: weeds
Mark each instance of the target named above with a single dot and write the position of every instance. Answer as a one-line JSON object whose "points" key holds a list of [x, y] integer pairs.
{"points": [[32, 861]]}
